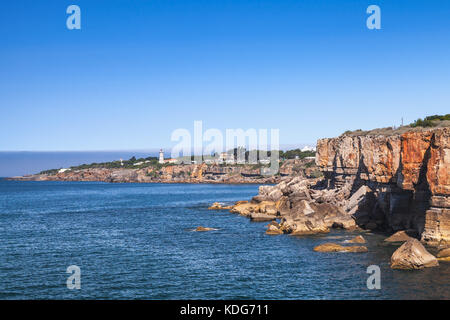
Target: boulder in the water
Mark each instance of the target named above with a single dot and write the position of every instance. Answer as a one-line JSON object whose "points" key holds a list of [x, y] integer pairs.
{"points": [[412, 255], [357, 239], [200, 228], [334, 247]]}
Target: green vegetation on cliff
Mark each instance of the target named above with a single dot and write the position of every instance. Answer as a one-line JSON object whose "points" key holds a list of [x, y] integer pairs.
{"points": [[153, 162], [434, 121], [132, 163], [291, 154], [430, 121]]}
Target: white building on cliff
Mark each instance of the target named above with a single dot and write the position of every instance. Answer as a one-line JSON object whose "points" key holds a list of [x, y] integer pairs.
{"points": [[161, 156]]}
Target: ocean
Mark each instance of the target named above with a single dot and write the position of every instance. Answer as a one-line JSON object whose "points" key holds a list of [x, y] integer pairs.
{"points": [[136, 241]]}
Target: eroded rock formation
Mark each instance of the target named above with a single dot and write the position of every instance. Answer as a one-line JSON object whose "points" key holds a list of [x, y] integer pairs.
{"points": [[413, 255], [294, 202], [398, 182], [406, 180]]}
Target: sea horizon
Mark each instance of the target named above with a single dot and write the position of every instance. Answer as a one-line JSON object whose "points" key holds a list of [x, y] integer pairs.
{"points": [[19, 163]]}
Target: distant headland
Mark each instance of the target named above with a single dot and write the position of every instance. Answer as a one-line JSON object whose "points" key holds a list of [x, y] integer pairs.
{"points": [[223, 168]]}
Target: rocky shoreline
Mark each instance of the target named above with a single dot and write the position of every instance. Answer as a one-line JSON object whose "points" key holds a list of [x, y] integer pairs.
{"points": [[193, 173], [289, 210], [397, 184]]}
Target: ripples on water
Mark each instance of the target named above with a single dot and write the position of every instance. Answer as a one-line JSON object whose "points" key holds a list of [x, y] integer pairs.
{"points": [[135, 241]]}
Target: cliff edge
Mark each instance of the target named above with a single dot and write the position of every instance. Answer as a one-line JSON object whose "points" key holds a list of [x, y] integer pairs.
{"points": [[406, 175]]}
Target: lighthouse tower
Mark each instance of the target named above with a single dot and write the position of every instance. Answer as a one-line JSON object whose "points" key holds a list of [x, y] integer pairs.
{"points": [[161, 156]]}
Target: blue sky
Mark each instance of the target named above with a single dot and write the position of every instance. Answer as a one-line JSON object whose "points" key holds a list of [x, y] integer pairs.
{"points": [[137, 70]]}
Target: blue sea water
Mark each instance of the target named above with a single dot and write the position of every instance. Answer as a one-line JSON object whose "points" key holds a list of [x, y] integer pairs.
{"points": [[135, 241], [15, 163]]}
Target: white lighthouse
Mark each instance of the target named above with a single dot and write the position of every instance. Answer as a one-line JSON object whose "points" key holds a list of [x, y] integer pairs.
{"points": [[161, 156]]}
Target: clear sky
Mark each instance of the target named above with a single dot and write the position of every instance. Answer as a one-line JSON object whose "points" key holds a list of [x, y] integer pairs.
{"points": [[137, 70]]}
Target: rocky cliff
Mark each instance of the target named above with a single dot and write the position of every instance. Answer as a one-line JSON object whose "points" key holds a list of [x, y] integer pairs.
{"points": [[191, 173], [396, 182], [406, 179]]}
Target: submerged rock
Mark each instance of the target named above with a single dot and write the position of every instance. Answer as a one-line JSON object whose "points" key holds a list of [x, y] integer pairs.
{"points": [[201, 229], [412, 255], [334, 247]]}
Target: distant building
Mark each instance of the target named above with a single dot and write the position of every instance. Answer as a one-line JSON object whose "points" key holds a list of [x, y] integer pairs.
{"points": [[171, 161], [226, 157], [264, 161], [308, 148], [63, 170], [161, 156]]}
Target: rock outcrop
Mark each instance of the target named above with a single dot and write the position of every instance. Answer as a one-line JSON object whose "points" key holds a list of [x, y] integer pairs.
{"points": [[412, 255], [273, 228], [334, 247], [266, 207], [292, 202], [202, 229], [357, 239], [260, 217], [399, 236], [391, 182], [219, 206]]}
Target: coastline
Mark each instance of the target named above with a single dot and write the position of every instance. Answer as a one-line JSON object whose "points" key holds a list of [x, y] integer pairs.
{"points": [[146, 182], [188, 174]]}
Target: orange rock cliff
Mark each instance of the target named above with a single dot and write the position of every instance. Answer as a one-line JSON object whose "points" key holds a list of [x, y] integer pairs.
{"points": [[408, 176]]}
